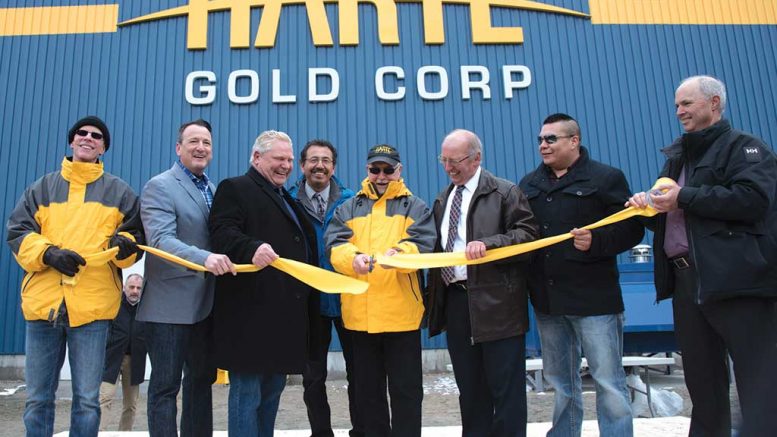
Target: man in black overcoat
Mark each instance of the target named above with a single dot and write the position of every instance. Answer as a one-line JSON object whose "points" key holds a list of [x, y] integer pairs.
{"points": [[263, 319]]}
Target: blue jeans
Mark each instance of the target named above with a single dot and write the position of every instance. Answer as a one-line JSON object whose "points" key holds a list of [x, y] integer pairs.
{"points": [[253, 403], [173, 349], [45, 349], [564, 339]]}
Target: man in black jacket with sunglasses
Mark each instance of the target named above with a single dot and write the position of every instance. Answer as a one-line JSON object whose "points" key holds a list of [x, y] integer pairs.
{"points": [[574, 284]]}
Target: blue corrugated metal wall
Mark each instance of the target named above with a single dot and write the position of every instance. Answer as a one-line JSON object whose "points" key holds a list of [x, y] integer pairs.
{"points": [[618, 80]]}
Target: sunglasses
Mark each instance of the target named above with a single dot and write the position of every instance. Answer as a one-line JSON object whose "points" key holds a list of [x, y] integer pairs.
{"points": [[550, 139], [388, 171], [86, 133]]}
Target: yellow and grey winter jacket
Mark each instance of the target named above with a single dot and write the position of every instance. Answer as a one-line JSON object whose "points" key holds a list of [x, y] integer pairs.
{"points": [[372, 224], [79, 208]]}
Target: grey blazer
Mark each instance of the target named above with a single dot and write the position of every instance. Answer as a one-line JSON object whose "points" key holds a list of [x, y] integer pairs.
{"points": [[175, 218]]}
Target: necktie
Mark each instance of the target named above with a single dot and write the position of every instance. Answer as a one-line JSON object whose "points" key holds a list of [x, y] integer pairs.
{"points": [[448, 274], [320, 210], [293, 215]]}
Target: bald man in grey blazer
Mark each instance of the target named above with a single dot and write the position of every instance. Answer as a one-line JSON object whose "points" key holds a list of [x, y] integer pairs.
{"points": [[177, 302]]}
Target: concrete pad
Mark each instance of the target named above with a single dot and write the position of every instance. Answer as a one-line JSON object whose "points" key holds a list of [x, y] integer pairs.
{"points": [[663, 426]]}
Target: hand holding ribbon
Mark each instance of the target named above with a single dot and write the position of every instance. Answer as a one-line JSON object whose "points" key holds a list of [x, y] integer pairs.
{"points": [[447, 259], [320, 279]]}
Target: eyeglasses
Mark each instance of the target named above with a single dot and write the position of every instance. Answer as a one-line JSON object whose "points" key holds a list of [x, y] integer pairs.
{"points": [[388, 171], [316, 160], [86, 133], [443, 160], [550, 139]]}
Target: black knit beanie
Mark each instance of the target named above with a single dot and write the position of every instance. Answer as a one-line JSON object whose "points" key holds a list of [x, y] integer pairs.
{"points": [[90, 120]]}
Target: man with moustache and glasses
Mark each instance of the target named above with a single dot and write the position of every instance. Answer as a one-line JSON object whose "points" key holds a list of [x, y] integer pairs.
{"points": [[320, 193]]}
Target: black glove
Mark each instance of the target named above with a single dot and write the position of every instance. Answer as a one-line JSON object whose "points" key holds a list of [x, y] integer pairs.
{"points": [[65, 261], [127, 247]]}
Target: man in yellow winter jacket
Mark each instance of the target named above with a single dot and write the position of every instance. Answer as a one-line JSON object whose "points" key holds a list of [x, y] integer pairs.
{"points": [[60, 220], [384, 218]]}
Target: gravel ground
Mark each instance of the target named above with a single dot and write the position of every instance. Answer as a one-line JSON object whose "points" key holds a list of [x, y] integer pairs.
{"points": [[440, 407]]}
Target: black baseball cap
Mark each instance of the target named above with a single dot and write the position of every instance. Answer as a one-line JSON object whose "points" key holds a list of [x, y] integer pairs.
{"points": [[383, 153]]}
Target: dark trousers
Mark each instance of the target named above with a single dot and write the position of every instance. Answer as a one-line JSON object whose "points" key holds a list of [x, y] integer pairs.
{"points": [[744, 327], [396, 356], [491, 376], [314, 382], [173, 349]]}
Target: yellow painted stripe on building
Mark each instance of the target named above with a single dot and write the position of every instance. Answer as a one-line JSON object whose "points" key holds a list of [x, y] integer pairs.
{"points": [[698, 12], [56, 20]]}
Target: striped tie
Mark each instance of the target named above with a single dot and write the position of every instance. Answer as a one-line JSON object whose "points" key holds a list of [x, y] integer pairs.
{"points": [[448, 274], [320, 211]]}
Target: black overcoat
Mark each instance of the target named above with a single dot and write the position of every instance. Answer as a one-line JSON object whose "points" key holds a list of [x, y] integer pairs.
{"points": [[125, 332], [262, 320]]}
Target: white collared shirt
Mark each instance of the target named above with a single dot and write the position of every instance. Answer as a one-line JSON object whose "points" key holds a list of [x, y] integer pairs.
{"points": [[460, 243]]}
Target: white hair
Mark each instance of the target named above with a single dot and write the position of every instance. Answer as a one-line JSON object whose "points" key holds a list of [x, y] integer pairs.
{"points": [[709, 87], [265, 141]]}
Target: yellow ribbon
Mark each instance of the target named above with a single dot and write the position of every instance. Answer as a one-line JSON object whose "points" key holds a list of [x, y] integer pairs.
{"points": [[448, 259], [335, 283], [320, 279]]}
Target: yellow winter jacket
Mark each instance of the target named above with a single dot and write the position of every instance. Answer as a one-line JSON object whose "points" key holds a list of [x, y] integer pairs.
{"points": [[78, 208], [372, 224]]}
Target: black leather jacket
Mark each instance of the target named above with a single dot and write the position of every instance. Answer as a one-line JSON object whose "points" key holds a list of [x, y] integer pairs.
{"points": [[499, 216]]}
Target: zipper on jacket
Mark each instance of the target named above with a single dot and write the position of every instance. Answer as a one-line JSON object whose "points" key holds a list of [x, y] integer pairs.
{"points": [[692, 252], [471, 324], [117, 282], [470, 214], [412, 287], [689, 235], [24, 286]]}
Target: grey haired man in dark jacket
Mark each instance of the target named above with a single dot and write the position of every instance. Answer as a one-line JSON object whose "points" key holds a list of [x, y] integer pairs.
{"points": [[716, 255]]}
